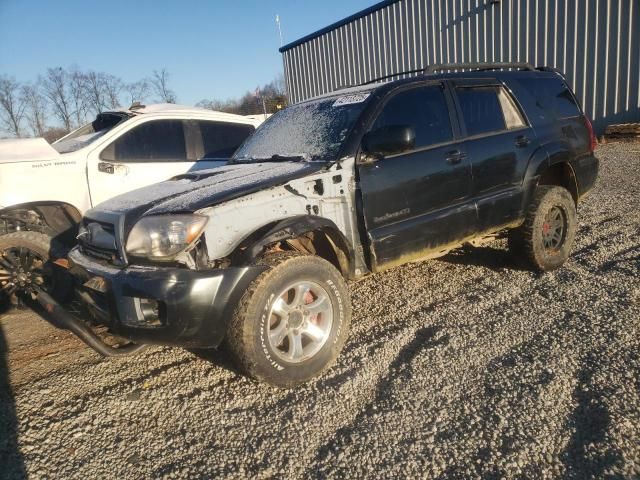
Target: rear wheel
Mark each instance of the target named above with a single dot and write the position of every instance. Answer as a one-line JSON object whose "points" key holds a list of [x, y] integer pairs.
{"points": [[545, 238], [292, 322], [26, 267]]}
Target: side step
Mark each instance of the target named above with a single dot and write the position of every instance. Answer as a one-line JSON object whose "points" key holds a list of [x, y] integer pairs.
{"points": [[82, 330]]}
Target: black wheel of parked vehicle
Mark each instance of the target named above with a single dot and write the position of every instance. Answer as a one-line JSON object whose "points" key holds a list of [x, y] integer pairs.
{"points": [[545, 239], [292, 321], [26, 266]]}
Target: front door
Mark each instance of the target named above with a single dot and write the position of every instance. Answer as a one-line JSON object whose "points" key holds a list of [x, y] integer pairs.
{"points": [[150, 152], [417, 202]]}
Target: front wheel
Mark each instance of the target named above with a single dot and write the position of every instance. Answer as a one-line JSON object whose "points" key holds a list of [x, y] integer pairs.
{"points": [[26, 267], [292, 322], [545, 238]]}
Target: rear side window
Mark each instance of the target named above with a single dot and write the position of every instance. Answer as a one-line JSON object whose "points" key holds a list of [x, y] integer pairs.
{"points": [[221, 139], [488, 109], [481, 110], [553, 96], [155, 141], [424, 109]]}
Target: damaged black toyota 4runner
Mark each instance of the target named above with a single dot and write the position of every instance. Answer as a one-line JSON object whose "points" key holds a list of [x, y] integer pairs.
{"points": [[257, 253]]}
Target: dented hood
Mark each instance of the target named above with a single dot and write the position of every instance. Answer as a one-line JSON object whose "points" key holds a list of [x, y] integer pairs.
{"points": [[26, 150], [193, 191]]}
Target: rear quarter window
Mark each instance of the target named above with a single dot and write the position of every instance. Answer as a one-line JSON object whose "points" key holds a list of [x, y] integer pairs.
{"points": [[221, 139], [553, 96]]}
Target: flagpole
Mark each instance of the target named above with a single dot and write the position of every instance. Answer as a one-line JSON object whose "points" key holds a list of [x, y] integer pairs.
{"points": [[279, 28]]}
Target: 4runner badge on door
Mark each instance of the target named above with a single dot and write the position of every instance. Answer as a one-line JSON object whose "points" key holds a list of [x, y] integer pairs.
{"points": [[349, 99]]}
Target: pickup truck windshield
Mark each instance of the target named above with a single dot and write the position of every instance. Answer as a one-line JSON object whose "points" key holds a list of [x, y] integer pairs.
{"points": [[89, 133], [313, 130]]}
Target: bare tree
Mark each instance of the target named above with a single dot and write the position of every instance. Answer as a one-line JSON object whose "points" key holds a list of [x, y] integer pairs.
{"points": [[77, 92], [280, 85], [113, 87], [12, 105], [36, 109], [160, 83], [138, 91], [56, 89]]}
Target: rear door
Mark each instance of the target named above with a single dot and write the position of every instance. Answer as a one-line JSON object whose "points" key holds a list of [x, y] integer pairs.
{"points": [[499, 144], [417, 201], [219, 140]]}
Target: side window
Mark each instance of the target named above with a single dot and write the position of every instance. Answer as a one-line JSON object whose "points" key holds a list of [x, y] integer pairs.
{"points": [[481, 109], [221, 139], [512, 116], [425, 109], [155, 141], [552, 95]]}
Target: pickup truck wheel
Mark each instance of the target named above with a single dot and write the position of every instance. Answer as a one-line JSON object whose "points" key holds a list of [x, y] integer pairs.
{"points": [[25, 266], [545, 238], [292, 322]]}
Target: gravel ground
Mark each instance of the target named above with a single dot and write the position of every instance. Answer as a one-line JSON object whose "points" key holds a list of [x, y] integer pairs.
{"points": [[461, 367]]}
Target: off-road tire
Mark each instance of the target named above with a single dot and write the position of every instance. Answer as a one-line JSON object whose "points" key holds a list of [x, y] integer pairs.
{"points": [[527, 241], [46, 248], [247, 339]]}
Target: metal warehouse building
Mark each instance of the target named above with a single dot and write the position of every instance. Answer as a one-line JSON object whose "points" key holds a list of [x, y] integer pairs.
{"points": [[595, 42]]}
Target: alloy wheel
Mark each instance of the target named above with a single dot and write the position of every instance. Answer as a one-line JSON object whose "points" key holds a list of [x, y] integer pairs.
{"points": [[300, 321]]}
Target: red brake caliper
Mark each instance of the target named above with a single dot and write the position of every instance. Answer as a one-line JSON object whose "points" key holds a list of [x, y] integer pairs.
{"points": [[308, 298]]}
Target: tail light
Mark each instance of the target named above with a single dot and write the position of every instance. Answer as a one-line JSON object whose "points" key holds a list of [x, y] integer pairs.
{"points": [[592, 135]]}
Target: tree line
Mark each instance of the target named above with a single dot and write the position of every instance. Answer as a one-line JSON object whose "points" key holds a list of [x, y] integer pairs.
{"points": [[62, 99], [266, 99]]}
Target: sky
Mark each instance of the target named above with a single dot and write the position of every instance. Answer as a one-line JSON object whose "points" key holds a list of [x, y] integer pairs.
{"points": [[212, 48]]}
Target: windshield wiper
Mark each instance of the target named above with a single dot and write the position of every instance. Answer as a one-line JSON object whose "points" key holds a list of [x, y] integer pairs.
{"points": [[273, 158]]}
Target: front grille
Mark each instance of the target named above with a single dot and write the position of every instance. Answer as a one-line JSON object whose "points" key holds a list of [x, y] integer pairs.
{"points": [[98, 240], [110, 256]]}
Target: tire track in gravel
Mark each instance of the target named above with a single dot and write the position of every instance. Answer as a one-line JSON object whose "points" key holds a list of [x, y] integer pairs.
{"points": [[406, 354], [393, 374]]}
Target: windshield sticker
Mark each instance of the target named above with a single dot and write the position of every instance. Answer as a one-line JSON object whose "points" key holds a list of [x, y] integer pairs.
{"points": [[349, 99]]}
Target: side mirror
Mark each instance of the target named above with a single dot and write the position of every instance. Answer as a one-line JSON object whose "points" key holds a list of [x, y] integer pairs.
{"points": [[389, 140]]}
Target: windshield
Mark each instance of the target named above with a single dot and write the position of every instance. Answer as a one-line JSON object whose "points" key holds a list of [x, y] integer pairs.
{"points": [[90, 132], [314, 130]]}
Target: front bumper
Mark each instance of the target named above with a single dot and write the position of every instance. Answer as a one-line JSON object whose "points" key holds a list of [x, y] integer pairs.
{"points": [[194, 307]]}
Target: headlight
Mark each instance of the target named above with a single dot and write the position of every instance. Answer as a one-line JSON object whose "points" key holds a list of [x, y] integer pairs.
{"points": [[164, 236]]}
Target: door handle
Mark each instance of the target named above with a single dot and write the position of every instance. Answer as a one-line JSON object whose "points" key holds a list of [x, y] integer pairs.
{"points": [[113, 168], [454, 157], [522, 141], [105, 167]]}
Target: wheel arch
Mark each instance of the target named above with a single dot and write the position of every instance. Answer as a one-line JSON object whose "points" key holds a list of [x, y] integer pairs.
{"points": [[561, 174], [551, 166], [305, 233], [57, 219]]}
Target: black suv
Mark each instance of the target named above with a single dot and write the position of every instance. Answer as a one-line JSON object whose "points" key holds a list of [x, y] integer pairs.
{"points": [[256, 253]]}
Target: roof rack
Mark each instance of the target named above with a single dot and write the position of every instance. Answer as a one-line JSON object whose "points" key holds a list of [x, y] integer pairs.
{"points": [[391, 75], [431, 69]]}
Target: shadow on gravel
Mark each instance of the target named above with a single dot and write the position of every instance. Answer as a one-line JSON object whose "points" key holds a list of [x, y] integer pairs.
{"points": [[491, 258], [589, 453], [400, 370], [217, 356], [11, 462]]}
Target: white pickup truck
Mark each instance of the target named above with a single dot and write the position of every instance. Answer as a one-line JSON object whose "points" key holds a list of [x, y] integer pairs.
{"points": [[45, 189]]}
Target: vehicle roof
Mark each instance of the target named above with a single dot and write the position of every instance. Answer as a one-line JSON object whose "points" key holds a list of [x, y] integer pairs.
{"points": [[389, 83], [175, 109]]}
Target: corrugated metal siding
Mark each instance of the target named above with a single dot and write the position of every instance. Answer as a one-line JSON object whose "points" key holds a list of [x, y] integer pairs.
{"points": [[595, 42]]}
